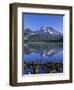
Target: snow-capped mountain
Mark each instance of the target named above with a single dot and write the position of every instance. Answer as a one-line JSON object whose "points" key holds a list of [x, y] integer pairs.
{"points": [[50, 30], [45, 33]]}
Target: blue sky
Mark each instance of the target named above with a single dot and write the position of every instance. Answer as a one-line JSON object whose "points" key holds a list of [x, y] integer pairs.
{"points": [[35, 21]]}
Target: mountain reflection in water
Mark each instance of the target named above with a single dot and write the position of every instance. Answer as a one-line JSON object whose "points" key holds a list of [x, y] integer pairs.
{"points": [[43, 57]]}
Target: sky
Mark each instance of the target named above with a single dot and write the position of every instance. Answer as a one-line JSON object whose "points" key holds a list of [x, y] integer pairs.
{"points": [[35, 21]]}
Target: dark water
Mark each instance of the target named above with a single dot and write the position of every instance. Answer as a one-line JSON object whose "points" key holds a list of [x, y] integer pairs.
{"points": [[43, 57]]}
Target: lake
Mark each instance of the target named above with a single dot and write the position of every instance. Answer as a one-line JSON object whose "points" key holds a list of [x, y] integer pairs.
{"points": [[43, 57]]}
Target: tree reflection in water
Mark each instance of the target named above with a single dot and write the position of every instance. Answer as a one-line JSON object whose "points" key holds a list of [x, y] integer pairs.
{"points": [[43, 57]]}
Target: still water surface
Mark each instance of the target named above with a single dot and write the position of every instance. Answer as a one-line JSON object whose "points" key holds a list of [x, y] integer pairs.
{"points": [[43, 57]]}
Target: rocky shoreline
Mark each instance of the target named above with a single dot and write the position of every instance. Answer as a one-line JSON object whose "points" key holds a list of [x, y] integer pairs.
{"points": [[39, 68]]}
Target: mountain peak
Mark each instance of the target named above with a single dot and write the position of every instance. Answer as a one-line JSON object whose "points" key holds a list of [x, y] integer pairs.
{"points": [[50, 30], [47, 29]]}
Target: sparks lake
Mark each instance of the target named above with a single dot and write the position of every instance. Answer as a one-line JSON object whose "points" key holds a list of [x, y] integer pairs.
{"points": [[43, 57]]}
